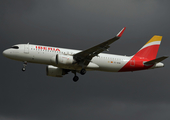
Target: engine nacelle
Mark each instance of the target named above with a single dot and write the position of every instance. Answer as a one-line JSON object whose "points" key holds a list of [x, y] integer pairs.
{"points": [[54, 71], [62, 59]]}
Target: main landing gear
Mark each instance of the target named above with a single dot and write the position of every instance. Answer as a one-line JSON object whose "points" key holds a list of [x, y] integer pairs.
{"points": [[24, 66], [76, 78], [83, 71]]}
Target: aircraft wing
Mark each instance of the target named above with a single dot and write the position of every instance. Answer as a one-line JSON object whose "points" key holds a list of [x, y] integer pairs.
{"points": [[85, 56]]}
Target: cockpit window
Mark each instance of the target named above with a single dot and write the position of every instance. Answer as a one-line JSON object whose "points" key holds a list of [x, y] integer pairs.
{"points": [[15, 47]]}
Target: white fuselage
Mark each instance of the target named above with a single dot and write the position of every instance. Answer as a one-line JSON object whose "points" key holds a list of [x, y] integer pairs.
{"points": [[46, 55]]}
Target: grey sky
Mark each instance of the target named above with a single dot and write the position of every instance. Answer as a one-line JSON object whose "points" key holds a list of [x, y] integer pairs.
{"points": [[80, 24]]}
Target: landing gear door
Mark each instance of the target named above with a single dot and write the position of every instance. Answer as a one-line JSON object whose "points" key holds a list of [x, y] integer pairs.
{"points": [[26, 48]]}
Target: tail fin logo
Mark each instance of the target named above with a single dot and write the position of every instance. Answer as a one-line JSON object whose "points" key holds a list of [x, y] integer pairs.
{"points": [[146, 56], [150, 49]]}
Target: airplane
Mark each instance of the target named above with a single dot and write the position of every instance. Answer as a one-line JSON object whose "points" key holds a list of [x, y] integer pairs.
{"points": [[61, 61]]}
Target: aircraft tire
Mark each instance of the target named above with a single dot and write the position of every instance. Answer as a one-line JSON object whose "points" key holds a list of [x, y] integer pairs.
{"points": [[75, 78], [23, 69], [83, 71]]}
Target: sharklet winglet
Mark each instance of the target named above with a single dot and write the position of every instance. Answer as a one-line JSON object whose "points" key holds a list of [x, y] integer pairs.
{"points": [[121, 32]]}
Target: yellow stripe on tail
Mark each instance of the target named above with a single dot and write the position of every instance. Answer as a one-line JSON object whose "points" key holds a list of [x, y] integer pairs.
{"points": [[154, 38]]}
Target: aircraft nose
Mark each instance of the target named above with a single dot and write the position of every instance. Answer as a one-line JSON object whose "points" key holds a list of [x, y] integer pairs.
{"points": [[5, 53]]}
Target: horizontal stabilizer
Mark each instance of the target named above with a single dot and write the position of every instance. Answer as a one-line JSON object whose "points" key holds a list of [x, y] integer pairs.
{"points": [[157, 60]]}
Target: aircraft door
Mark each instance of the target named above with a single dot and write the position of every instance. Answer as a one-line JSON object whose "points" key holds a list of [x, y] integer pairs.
{"points": [[26, 48]]}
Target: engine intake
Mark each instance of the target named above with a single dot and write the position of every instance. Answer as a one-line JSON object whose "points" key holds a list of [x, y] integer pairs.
{"points": [[55, 71]]}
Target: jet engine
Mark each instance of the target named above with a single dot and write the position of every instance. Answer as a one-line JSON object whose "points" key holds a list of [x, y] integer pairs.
{"points": [[55, 71], [62, 59]]}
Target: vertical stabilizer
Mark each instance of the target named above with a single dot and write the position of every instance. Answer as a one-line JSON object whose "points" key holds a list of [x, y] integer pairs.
{"points": [[150, 49]]}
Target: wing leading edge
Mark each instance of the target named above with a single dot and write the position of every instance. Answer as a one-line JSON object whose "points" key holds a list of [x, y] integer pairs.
{"points": [[85, 56]]}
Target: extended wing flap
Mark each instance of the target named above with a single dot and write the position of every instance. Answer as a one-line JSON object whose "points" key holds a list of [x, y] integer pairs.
{"points": [[157, 60]]}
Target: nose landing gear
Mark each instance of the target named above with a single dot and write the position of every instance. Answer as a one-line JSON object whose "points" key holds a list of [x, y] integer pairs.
{"points": [[24, 66]]}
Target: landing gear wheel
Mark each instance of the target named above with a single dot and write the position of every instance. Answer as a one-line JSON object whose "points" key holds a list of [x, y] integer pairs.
{"points": [[23, 69], [24, 66], [83, 71], [75, 78]]}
